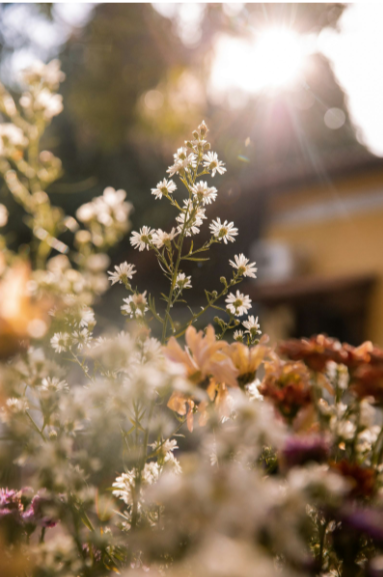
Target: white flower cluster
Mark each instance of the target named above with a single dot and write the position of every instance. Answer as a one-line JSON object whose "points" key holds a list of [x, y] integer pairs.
{"points": [[12, 140], [106, 217], [43, 81]]}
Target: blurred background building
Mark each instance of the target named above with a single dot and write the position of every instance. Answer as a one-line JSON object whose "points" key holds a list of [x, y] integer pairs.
{"points": [[292, 96]]}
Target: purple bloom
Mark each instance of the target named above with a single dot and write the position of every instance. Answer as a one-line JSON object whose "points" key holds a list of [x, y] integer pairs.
{"points": [[299, 450], [366, 521], [36, 512], [10, 503]]}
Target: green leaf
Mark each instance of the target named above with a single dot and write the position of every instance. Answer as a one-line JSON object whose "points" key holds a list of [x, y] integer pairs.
{"points": [[86, 521], [195, 259]]}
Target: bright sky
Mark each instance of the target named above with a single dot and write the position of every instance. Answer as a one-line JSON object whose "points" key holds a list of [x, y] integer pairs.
{"points": [[276, 59], [357, 56]]}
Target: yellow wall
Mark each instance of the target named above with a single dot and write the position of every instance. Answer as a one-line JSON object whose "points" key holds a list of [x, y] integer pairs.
{"points": [[348, 245]]}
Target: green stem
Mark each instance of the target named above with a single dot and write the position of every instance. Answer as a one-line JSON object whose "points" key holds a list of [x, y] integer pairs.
{"points": [[35, 426]]}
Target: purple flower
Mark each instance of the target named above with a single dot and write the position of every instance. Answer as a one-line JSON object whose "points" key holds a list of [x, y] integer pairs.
{"points": [[366, 521], [10, 503], [299, 450], [36, 512]]}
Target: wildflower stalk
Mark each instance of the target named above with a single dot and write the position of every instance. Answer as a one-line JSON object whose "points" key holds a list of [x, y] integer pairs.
{"points": [[179, 252]]}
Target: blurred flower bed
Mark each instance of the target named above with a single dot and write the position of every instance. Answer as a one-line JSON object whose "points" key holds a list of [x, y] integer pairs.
{"points": [[203, 453]]}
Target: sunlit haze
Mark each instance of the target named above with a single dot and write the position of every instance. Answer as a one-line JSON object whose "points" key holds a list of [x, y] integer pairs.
{"points": [[356, 52], [275, 58]]}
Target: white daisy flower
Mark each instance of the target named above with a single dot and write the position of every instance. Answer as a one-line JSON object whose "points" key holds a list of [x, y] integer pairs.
{"points": [[135, 306], [238, 304], [53, 385], [252, 326], [142, 239], [183, 160], [243, 266], [160, 237], [123, 487], [17, 405], [225, 231], [204, 194], [183, 281], [165, 446], [192, 223], [152, 350], [82, 338], [59, 342], [164, 187], [122, 273], [212, 163], [87, 317], [238, 336]]}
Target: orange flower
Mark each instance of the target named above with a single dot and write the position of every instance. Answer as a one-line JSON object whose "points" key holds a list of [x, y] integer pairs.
{"points": [[207, 365], [246, 360], [20, 318], [204, 357]]}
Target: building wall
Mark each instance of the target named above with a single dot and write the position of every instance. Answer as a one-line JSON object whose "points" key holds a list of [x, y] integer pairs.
{"points": [[339, 227]]}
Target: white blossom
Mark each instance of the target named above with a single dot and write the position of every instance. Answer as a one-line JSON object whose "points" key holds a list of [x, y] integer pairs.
{"points": [[123, 487], [160, 237], [82, 338], [50, 104], [87, 317], [49, 74], [17, 405], [193, 216], [164, 187], [238, 336], [213, 164], [238, 304], [204, 193], [142, 239], [122, 273], [225, 231], [135, 305], [11, 137], [183, 160], [241, 263], [59, 342], [252, 326], [53, 385], [183, 281]]}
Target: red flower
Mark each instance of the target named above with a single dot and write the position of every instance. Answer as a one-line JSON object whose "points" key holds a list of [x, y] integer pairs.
{"points": [[287, 385], [315, 352]]}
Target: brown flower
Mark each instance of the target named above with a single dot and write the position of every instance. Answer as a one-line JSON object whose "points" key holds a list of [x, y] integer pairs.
{"points": [[367, 381], [287, 385], [362, 479], [366, 353], [315, 352]]}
